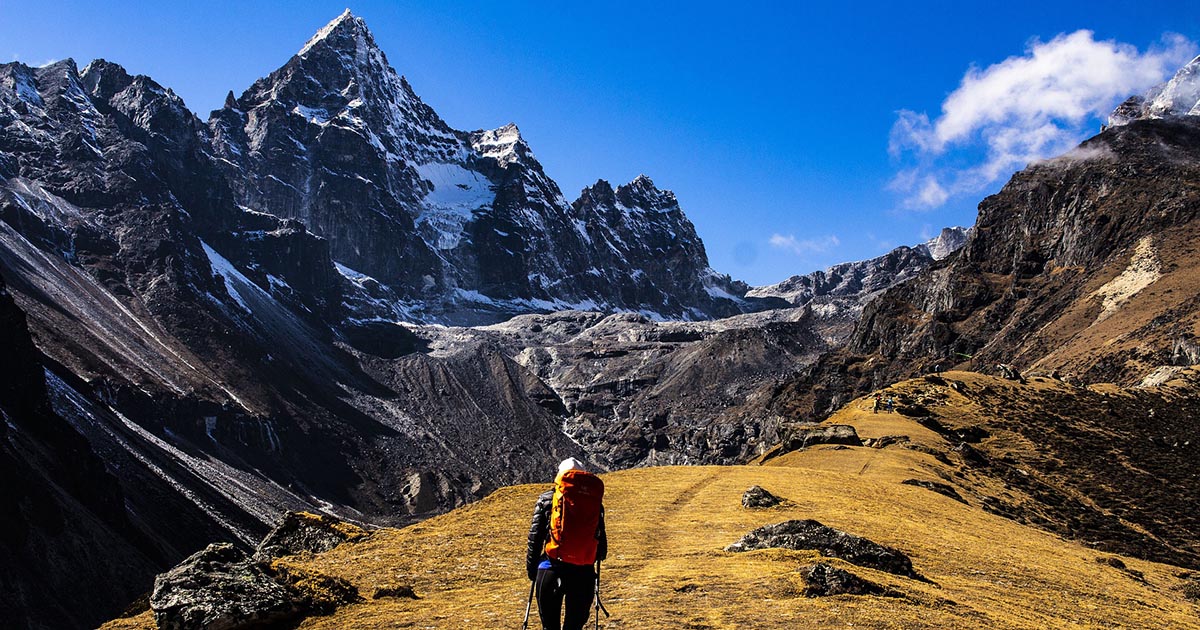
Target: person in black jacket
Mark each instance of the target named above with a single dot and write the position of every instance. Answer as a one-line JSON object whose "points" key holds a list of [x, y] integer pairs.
{"points": [[558, 581]]}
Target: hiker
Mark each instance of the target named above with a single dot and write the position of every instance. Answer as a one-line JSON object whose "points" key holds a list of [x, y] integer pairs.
{"points": [[563, 551], [878, 403], [891, 404]]}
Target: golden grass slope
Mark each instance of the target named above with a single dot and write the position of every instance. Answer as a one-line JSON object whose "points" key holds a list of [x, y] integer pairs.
{"points": [[667, 568]]}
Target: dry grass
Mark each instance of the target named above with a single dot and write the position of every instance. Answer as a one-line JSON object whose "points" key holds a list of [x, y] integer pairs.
{"points": [[668, 527]]}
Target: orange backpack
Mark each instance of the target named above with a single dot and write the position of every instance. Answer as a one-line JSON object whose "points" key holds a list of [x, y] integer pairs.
{"points": [[575, 518]]}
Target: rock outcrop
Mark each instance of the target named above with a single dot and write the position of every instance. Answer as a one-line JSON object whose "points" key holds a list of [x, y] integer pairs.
{"points": [[757, 497], [803, 535], [303, 531], [221, 588], [824, 580]]}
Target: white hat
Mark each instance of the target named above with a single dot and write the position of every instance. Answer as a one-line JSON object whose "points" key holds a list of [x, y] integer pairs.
{"points": [[570, 463]]}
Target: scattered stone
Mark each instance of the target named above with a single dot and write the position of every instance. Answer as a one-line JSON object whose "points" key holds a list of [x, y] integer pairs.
{"points": [[1120, 565], [886, 441], [824, 580], [220, 588], [801, 438], [971, 455], [1191, 590], [400, 591], [836, 447], [940, 488], [759, 497], [971, 434], [812, 535], [914, 410], [304, 531], [1009, 372]]}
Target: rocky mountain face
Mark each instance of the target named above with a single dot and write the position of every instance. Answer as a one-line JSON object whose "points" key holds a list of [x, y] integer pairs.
{"points": [[1082, 265], [63, 521], [447, 225], [635, 392]]}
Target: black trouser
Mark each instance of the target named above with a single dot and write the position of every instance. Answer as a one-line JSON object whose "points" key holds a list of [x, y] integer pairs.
{"points": [[574, 583]]}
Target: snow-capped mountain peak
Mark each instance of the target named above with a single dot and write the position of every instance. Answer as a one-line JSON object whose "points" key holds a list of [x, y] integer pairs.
{"points": [[343, 26], [642, 193], [950, 240], [504, 144], [1178, 97], [465, 223]]}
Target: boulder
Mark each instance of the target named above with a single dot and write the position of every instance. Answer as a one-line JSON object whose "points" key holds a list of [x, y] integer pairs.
{"points": [[804, 437], [823, 580], [759, 497], [303, 531], [812, 535], [220, 588]]}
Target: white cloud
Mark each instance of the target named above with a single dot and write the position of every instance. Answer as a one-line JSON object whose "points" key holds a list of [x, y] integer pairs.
{"points": [[804, 247], [1022, 109]]}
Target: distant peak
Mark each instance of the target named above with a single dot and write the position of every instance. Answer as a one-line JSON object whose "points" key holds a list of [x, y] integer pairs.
{"points": [[601, 184], [642, 181], [505, 144], [345, 24]]}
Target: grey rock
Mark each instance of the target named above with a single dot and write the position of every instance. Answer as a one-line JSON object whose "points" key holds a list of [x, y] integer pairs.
{"points": [[834, 543], [220, 588], [302, 531], [824, 580], [828, 434], [759, 497]]}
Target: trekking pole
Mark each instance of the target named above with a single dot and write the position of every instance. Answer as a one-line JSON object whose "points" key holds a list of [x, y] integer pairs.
{"points": [[528, 605], [599, 604]]}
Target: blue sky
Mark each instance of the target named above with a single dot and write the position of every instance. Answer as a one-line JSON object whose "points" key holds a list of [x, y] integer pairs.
{"points": [[795, 136]]}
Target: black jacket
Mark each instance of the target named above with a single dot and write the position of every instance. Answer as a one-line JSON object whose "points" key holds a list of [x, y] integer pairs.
{"points": [[539, 530]]}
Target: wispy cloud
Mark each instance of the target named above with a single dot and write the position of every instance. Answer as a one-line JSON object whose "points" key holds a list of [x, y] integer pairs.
{"points": [[1022, 109], [804, 247]]}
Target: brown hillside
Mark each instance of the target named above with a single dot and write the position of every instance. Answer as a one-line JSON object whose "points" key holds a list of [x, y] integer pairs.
{"points": [[668, 528]]}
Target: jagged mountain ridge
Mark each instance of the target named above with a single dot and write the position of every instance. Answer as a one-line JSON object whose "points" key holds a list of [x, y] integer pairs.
{"points": [[212, 385], [224, 368], [457, 226], [837, 296], [864, 279]]}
